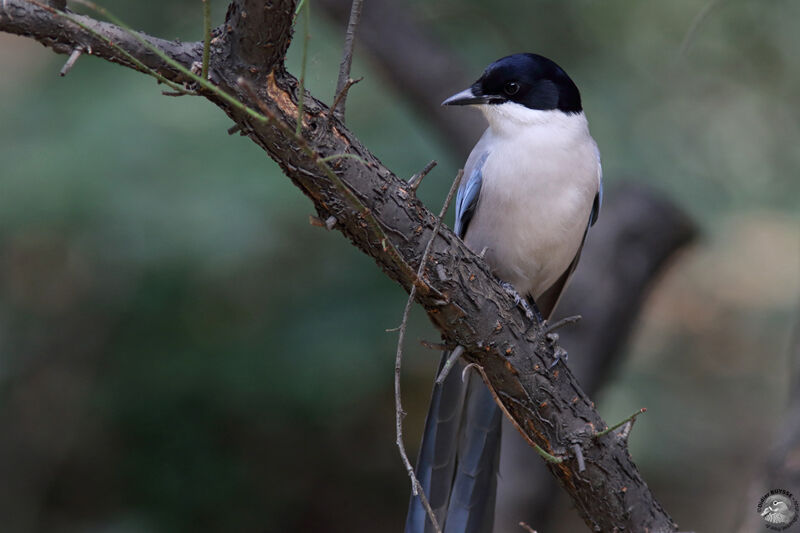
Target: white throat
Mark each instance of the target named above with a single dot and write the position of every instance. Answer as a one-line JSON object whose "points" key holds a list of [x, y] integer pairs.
{"points": [[510, 118]]}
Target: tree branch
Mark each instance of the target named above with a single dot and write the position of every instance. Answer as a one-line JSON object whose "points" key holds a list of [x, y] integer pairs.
{"points": [[259, 32], [48, 26], [467, 303]]}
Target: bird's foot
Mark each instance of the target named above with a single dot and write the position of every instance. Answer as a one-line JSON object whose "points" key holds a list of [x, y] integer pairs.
{"points": [[552, 337], [559, 354], [531, 311]]}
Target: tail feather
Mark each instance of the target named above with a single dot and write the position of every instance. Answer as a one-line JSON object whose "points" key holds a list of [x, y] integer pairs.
{"points": [[458, 460], [472, 499]]}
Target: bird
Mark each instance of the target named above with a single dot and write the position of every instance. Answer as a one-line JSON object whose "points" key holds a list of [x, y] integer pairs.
{"points": [[531, 189]]}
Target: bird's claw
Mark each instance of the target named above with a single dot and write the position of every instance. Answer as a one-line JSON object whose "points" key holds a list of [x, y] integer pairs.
{"points": [[531, 312], [559, 354]]}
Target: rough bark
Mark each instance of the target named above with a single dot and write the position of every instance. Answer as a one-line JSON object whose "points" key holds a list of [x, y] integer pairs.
{"points": [[258, 32], [376, 211]]}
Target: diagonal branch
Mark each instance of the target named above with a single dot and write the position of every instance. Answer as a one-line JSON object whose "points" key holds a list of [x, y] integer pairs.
{"points": [[463, 299], [107, 41]]}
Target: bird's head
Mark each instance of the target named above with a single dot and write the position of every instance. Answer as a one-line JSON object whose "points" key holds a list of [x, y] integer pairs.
{"points": [[521, 81], [778, 506]]}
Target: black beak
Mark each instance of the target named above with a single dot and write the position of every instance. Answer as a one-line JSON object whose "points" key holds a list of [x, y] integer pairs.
{"points": [[467, 97]]}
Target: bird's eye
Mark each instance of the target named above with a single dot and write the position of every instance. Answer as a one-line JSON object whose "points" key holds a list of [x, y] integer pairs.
{"points": [[511, 88]]}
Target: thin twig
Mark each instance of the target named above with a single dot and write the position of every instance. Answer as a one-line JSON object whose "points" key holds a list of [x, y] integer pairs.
{"points": [[344, 82], [161, 54], [528, 528], [206, 37], [73, 57], [416, 179], [698, 19], [630, 419], [442, 213], [466, 370], [449, 364], [233, 129], [134, 61], [550, 458], [302, 92], [416, 487], [343, 94], [561, 323], [343, 156], [438, 346]]}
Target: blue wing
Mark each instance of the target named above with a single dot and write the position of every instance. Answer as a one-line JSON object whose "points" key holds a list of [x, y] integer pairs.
{"points": [[468, 193], [598, 203], [598, 199]]}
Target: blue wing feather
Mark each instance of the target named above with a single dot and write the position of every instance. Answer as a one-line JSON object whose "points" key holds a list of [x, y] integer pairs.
{"points": [[598, 199], [598, 203], [467, 196]]}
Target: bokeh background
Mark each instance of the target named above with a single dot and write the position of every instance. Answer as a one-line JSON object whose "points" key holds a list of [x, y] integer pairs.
{"points": [[181, 351]]}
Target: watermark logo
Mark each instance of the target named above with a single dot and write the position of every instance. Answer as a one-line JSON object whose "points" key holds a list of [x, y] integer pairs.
{"points": [[778, 508]]}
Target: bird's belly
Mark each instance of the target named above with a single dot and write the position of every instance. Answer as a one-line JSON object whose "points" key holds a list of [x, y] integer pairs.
{"points": [[532, 226]]}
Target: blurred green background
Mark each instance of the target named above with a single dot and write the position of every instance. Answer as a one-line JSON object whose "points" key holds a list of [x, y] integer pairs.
{"points": [[181, 351]]}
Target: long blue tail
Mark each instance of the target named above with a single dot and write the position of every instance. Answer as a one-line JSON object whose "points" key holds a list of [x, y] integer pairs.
{"points": [[458, 460]]}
